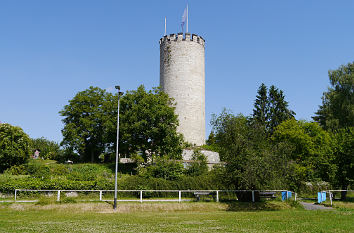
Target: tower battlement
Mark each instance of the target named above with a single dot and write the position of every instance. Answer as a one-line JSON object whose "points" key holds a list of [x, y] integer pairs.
{"points": [[183, 37]]}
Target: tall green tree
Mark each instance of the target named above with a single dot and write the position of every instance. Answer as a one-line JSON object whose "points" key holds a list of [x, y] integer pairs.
{"points": [[260, 111], [337, 109], [270, 108], [344, 157], [313, 150], [148, 125], [251, 161], [14, 146], [88, 120], [278, 110]]}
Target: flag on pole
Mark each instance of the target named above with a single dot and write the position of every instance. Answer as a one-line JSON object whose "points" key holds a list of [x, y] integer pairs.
{"points": [[185, 17]]}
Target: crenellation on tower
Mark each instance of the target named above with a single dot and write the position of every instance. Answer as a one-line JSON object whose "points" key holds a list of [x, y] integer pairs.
{"points": [[188, 36], [183, 37], [180, 36]]}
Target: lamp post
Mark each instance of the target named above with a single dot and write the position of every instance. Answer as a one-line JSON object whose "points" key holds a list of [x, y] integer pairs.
{"points": [[117, 154]]}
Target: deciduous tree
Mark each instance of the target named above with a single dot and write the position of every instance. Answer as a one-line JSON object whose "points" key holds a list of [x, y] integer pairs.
{"points": [[88, 120], [148, 124], [337, 109], [14, 146]]}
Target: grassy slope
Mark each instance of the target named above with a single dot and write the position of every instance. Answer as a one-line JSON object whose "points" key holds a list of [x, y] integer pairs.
{"points": [[170, 217]]}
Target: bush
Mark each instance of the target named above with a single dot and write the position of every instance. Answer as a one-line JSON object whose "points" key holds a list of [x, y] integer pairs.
{"points": [[67, 200], [17, 170], [198, 166], [164, 168], [14, 146], [37, 169], [88, 172]]}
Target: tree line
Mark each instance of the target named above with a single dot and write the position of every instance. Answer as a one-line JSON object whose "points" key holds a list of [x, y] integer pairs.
{"points": [[268, 149], [271, 149]]}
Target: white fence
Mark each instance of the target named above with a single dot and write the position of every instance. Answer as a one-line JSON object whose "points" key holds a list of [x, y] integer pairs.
{"points": [[196, 193], [331, 196]]}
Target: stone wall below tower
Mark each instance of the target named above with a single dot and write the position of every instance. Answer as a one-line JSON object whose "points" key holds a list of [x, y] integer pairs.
{"points": [[212, 157]]}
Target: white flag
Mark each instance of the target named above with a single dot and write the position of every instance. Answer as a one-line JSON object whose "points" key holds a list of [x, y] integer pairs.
{"points": [[184, 17]]}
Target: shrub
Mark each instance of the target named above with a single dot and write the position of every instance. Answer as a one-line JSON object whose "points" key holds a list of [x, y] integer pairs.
{"points": [[198, 166], [164, 168], [17, 170], [14, 146], [67, 200]]}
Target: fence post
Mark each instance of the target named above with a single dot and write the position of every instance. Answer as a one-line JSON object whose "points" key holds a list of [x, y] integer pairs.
{"points": [[252, 196], [179, 196], [100, 195], [58, 197], [15, 194], [330, 196], [295, 196], [217, 196], [141, 196]]}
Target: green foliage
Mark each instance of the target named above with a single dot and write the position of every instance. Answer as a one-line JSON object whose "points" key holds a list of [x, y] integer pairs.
{"points": [[9, 183], [251, 161], [148, 125], [48, 149], [312, 150], [344, 157], [88, 120], [16, 170], [199, 165], [88, 172], [261, 105], [67, 200], [163, 167], [44, 201], [278, 108], [37, 169], [270, 108], [14, 146], [337, 109]]}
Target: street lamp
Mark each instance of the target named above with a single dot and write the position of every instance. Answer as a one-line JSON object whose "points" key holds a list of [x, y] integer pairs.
{"points": [[117, 154]]}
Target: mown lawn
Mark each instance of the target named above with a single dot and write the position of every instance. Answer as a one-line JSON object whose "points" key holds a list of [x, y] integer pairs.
{"points": [[169, 217]]}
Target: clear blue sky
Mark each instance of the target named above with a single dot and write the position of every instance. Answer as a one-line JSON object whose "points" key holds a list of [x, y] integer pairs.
{"points": [[50, 50]]}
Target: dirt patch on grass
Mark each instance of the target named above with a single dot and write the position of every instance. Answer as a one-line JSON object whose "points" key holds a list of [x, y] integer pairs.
{"points": [[18, 207], [263, 205], [169, 207], [103, 207]]}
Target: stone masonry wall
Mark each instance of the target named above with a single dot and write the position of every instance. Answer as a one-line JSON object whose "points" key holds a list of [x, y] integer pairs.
{"points": [[182, 77]]}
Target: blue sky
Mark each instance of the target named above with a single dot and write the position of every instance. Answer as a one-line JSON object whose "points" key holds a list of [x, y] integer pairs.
{"points": [[50, 50]]}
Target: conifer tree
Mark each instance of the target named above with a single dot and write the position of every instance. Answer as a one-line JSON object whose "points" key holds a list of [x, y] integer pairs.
{"points": [[260, 110], [270, 108]]}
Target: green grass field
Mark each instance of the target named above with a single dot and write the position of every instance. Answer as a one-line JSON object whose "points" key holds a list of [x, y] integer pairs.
{"points": [[172, 217]]}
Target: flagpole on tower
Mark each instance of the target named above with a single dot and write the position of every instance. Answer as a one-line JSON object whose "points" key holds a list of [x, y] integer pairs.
{"points": [[165, 26], [187, 18]]}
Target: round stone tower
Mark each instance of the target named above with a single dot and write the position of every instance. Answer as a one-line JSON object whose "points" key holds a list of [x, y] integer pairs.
{"points": [[182, 77]]}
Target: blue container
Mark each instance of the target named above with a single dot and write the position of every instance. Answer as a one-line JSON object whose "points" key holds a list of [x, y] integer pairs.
{"points": [[284, 195], [321, 197], [289, 194]]}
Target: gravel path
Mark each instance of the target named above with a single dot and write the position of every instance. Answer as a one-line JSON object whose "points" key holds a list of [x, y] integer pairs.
{"points": [[311, 206]]}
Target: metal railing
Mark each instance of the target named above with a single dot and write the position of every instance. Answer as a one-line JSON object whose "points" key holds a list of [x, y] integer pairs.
{"points": [[330, 193], [140, 198]]}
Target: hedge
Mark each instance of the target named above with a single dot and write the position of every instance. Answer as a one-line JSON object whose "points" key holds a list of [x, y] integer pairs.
{"points": [[9, 183]]}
